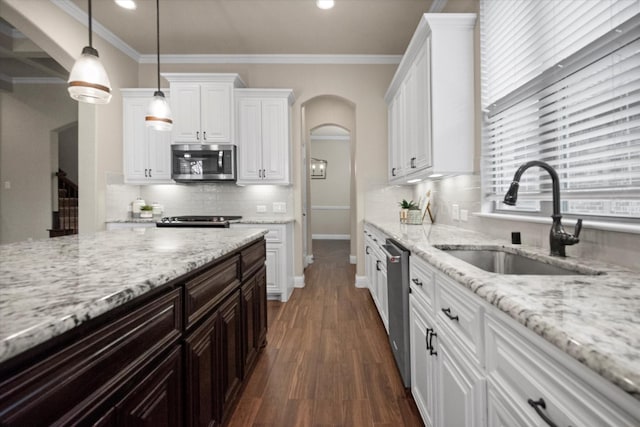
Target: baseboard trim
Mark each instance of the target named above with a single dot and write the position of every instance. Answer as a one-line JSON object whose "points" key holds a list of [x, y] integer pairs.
{"points": [[362, 282], [298, 281], [331, 236]]}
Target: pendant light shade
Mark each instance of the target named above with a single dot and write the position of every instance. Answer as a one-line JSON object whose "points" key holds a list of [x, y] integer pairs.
{"points": [[159, 113], [88, 80]]}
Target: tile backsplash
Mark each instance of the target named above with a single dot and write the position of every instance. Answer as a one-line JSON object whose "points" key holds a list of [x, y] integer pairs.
{"points": [[198, 199]]}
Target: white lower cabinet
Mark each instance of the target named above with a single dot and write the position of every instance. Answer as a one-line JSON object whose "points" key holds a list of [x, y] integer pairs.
{"points": [[525, 372], [461, 387], [376, 271], [474, 366], [279, 259], [447, 381], [423, 361]]}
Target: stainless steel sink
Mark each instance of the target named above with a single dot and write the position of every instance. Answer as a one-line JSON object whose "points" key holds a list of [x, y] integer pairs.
{"points": [[503, 262]]}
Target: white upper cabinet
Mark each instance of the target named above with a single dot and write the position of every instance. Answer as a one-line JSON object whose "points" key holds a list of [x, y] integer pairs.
{"points": [[146, 151], [431, 100], [263, 120], [202, 107]]}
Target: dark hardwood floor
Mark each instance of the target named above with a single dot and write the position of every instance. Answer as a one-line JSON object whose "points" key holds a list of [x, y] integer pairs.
{"points": [[327, 361]]}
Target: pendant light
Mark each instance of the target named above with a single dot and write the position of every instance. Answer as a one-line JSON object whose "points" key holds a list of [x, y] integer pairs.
{"points": [[159, 113], [88, 80]]}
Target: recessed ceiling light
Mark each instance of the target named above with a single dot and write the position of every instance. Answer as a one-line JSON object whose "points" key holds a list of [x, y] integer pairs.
{"points": [[127, 4], [325, 4]]}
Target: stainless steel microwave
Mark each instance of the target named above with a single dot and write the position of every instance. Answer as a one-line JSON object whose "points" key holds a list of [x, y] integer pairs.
{"points": [[203, 162]]}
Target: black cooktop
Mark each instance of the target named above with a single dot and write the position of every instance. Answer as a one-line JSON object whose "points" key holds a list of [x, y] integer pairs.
{"points": [[197, 221]]}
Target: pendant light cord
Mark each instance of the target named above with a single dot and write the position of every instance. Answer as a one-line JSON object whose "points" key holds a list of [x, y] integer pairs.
{"points": [[158, 39], [90, 36]]}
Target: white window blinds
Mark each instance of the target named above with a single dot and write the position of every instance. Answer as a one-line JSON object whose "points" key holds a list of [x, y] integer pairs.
{"points": [[561, 84]]}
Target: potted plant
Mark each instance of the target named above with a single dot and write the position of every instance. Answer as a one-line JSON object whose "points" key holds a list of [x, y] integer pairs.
{"points": [[405, 207], [146, 211]]}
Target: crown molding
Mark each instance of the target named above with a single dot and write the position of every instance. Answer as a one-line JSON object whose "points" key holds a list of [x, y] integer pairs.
{"points": [[38, 81], [79, 15], [275, 59]]}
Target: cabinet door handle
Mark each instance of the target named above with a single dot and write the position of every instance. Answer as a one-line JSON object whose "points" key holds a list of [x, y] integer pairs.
{"points": [[540, 403], [432, 350], [198, 135], [447, 312], [264, 173], [416, 281], [426, 338], [145, 173], [366, 251], [393, 171], [204, 135], [378, 264], [413, 163], [150, 174]]}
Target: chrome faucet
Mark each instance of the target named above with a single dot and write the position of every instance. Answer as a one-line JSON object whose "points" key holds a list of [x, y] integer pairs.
{"points": [[558, 238]]}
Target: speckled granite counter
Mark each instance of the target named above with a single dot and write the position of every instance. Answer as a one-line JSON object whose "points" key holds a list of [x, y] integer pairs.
{"points": [[265, 220], [47, 287], [595, 319]]}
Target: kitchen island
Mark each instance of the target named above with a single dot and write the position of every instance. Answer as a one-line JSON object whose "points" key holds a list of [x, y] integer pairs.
{"points": [[87, 320]]}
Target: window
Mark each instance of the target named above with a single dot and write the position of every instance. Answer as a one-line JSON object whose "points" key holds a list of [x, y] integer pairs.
{"points": [[561, 84]]}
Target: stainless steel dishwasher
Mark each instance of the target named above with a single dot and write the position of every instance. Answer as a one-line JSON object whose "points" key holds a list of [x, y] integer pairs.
{"points": [[398, 298]]}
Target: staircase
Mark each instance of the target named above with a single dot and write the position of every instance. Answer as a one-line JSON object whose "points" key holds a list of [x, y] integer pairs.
{"points": [[65, 219]]}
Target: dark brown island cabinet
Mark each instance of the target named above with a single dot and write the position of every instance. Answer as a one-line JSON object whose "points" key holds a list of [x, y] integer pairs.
{"points": [[176, 356]]}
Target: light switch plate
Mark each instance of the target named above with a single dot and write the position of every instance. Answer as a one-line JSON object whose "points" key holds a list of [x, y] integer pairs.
{"points": [[279, 207], [261, 208], [455, 212]]}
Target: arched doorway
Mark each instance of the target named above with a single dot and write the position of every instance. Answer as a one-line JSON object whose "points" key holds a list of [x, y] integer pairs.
{"points": [[332, 118]]}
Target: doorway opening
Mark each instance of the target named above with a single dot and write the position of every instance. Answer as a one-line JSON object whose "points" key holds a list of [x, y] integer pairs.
{"points": [[328, 208]]}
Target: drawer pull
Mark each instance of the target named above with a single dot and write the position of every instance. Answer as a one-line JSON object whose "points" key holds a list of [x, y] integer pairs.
{"points": [[537, 404], [378, 265], [367, 250], [426, 338], [432, 351], [417, 282], [447, 312]]}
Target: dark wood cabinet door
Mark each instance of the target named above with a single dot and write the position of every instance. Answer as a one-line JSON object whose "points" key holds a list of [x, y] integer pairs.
{"points": [[231, 341], [203, 391], [261, 308], [250, 341], [157, 400]]}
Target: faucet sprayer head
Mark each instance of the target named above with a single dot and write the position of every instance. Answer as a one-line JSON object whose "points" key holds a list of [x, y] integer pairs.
{"points": [[512, 195]]}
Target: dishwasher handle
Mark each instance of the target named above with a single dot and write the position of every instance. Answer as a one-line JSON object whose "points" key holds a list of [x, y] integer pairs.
{"points": [[394, 259]]}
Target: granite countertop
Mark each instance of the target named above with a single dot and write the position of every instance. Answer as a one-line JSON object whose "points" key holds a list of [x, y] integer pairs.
{"points": [[593, 318], [49, 286], [244, 220]]}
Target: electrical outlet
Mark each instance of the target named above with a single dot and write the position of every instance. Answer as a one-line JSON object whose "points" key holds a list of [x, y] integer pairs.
{"points": [[455, 212], [464, 215], [279, 207], [261, 208]]}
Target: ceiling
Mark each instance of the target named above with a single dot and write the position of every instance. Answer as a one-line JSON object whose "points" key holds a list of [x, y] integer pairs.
{"points": [[237, 27]]}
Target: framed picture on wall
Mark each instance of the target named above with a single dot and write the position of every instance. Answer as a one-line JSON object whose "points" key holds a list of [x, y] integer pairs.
{"points": [[318, 169]]}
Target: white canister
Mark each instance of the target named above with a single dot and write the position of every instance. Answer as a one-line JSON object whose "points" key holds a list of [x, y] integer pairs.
{"points": [[157, 209], [136, 205]]}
